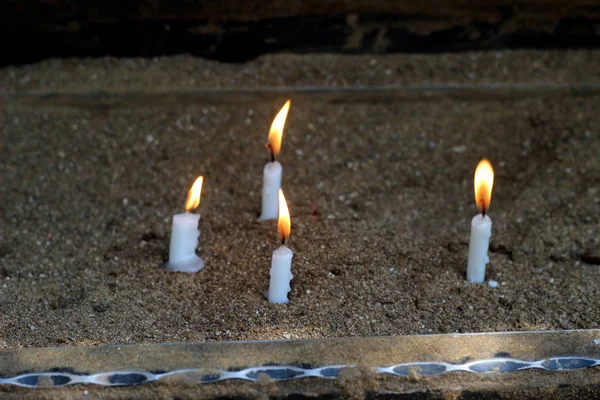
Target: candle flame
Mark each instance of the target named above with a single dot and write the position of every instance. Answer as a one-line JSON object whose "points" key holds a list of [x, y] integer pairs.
{"points": [[276, 132], [284, 225], [193, 197], [484, 180]]}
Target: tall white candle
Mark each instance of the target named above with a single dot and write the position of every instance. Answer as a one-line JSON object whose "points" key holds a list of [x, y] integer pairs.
{"points": [[184, 236], [481, 230], [273, 170], [481, 225], [270, 192], [281, 264]]}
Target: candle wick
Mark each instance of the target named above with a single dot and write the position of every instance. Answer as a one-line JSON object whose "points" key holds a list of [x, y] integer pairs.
{"points": [[482, 208], [283, 240], [272, 152]]}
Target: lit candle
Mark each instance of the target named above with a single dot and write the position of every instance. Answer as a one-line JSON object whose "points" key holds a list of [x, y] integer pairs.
{"points": [[273, 169], [481, 225], [184, 235], [281, 264]]}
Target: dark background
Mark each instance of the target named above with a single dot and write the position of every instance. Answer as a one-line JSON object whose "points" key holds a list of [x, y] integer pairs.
{"points": [[239, 30]]}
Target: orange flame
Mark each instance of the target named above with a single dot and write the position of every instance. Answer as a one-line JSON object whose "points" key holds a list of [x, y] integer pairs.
{"points": [[193, 197], [284, 225], [484, 180], [276, 132]]}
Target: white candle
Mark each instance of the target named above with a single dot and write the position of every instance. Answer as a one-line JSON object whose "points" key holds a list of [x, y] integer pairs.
{"points": [[481, 225], [281, 275], [481, 230], [184, 236], [273, 170], [281, 264], [270, 192]]}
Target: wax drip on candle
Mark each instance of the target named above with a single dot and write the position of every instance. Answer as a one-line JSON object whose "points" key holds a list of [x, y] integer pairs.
{"points": [[273, 170]]}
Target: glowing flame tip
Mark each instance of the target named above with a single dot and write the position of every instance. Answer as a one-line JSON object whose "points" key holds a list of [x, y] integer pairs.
{"points": [[193, 197], [484, 181], [284, 225], [276, 132]]}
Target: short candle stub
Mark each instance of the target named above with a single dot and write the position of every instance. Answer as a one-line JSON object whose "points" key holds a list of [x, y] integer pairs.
{"points": [[184, 241], [280, 276], [481, 225], [481, 231], [184, 236], [272, 171], [281, 263]]}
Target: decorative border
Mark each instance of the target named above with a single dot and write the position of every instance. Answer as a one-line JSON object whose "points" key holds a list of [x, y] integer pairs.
{"points": [[60, 378]]}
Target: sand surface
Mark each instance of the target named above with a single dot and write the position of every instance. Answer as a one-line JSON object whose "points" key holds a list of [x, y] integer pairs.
{"points": [[380, 192]]}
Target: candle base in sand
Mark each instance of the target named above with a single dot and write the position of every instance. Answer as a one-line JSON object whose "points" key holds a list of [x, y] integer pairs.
{"points": [[190, 266]]}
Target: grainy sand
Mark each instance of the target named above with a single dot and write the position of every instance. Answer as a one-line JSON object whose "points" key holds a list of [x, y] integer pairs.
{"points": [[379, 187]]}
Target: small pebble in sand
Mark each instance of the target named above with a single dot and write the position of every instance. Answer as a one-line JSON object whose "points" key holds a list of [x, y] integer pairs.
{"points": [[493, 283], [287, 335], [459, 149]]}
